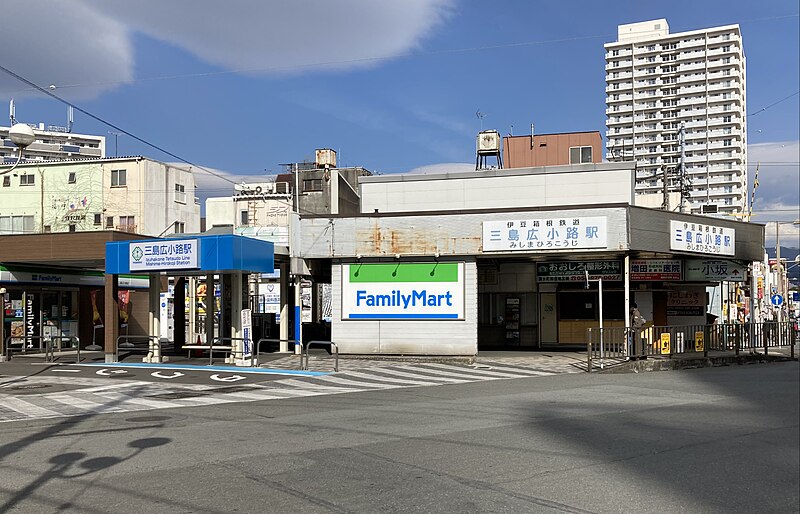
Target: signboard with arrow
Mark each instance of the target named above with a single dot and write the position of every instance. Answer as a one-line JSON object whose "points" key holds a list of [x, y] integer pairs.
{"points": [[707, 270]]}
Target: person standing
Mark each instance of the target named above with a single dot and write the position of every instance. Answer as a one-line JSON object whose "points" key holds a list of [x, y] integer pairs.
{"points": [[637, 321]]}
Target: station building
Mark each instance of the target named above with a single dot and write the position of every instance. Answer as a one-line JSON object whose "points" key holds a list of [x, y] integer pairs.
{"points": [[452, 263]]}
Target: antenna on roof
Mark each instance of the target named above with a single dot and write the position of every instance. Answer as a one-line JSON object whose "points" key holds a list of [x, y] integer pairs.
{"points": [[70, 117], [480, 115], [11, 110]]}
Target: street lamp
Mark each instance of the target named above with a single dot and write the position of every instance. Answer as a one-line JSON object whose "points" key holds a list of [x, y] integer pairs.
{"points": [[22, 136]]}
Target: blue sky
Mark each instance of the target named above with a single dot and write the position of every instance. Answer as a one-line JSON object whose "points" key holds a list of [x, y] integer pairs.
{"points": [[391, 85]]}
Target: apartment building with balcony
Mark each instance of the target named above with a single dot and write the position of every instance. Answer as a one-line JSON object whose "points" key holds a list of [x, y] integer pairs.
{"points": [[129, 194], [658, 83], [52, 143]]}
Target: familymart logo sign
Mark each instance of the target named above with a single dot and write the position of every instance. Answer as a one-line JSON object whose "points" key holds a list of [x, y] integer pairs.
{"points": [[403, 291]]}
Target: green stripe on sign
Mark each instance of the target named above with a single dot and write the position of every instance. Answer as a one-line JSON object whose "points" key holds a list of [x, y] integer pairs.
{"points": [[416, 272]]}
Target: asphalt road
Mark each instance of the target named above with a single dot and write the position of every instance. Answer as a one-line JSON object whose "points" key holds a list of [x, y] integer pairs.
{"points": [[705, 440]]}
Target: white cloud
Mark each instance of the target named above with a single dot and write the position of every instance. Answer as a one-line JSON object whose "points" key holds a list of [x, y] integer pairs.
{"points": [[63, 43], [777, 197], [90, 41]]}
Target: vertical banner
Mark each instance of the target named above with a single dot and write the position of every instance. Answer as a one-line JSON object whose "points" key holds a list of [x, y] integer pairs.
{"points": [[699, 341], [247, 333], [124, 300], [305, 299], [97, 320]]}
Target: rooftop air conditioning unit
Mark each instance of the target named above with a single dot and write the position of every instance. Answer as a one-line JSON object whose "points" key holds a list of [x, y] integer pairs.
{"points": [[488, 142]]}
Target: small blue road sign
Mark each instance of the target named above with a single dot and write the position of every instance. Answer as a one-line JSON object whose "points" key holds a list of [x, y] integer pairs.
{"points": [[776, 299]]}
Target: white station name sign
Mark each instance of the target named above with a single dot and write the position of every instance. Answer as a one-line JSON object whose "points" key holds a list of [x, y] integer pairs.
{"points": [[159, 255]]}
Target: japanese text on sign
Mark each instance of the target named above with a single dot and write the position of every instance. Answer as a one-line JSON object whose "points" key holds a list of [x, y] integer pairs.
{"points": [[158, 255], [701, 238], [545, 234], [575, 271], [655, 269]]}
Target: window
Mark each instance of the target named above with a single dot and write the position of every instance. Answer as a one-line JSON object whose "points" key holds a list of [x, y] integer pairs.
{"points": [[180, 193], [614, 52], [48, 228], [72, 227], [580, 154], [16, 224], [98, 219], [727, 142], [7, 181], [119, 178], [726, 119], [726, 48], [27, 180], [127, 224], [71, 179], [244, 218], [313, 184], [109, 221], [180, 227]]}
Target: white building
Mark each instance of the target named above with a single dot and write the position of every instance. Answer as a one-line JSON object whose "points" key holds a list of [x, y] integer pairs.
{"points": [[656, 83], [52, 143], [131, 194]]}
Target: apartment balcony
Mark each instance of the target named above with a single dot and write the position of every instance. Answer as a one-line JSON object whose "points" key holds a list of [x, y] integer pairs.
{"points": [[692, 78], [621, 75], [716, 99], [625, 97], [619, 65], [621, 52], [619, 120], [720, 63]]}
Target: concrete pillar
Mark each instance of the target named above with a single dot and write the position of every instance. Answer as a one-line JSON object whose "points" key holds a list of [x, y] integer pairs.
{"points": [[111, 311], [284, 345], [154, 320]]}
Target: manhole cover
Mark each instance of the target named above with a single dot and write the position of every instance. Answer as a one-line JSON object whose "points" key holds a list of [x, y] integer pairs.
{"points": [[29, 386], [147, 419]]}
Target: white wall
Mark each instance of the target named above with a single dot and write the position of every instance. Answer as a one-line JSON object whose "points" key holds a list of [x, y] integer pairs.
{"points": [[408, 337], [591, 184]]}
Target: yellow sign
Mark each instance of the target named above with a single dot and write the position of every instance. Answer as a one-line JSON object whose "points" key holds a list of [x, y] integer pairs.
{"points": [[699, 343], [665, 343]]}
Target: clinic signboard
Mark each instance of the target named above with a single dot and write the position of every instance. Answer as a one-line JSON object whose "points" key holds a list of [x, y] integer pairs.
{"points": [[655, 269], [576, 271], [159, 255], [701, 238], [545, 234], [403, 291]]}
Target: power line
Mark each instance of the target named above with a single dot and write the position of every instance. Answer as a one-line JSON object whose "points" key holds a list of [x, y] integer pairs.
{"points": [[115, 127], [774, 104]]}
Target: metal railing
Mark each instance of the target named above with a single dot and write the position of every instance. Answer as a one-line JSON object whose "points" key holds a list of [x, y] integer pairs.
{"points": [[334, 348], [153, 341], [616, 344], [50, 351], [257, 348], [22, 345], [221, 347]]}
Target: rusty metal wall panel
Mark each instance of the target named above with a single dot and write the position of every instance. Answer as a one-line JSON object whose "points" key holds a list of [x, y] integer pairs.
{"points": [[445, 234], [407, 337]]}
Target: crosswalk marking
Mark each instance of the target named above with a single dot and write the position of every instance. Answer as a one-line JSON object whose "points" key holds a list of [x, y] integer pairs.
{"points": [[101, 395]]}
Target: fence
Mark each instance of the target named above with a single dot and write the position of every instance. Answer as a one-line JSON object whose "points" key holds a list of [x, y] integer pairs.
{"points": [[609, 346]]}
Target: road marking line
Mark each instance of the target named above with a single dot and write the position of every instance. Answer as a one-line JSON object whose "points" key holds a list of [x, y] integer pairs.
{"points": [[28, 408], [379, 378], [417, 375]]}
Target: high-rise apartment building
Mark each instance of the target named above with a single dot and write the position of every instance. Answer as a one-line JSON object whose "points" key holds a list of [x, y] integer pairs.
{"points": [[675, 99]]}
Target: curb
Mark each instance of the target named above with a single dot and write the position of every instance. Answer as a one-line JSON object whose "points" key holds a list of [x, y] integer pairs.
{"points": [[659, 364]]}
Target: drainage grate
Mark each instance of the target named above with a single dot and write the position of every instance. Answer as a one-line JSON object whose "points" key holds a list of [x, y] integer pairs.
{"points": [[29, 386], [177, 395]]}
